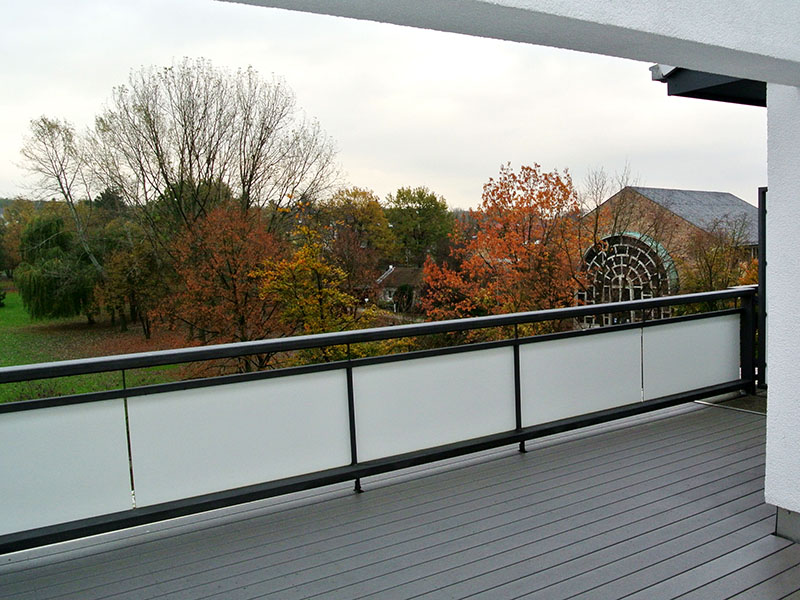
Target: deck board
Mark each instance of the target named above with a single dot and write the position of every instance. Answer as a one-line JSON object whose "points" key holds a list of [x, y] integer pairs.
{"points": [[657, 505]]}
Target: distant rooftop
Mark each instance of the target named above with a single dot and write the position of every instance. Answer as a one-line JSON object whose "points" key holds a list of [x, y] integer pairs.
{"points": [[704, 209], [395, 277]]}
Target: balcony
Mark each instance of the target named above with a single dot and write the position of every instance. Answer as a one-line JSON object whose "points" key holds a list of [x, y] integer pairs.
{"points": [[241, 486]]}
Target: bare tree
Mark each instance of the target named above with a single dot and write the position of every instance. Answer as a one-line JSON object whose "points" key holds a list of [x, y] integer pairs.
{"points": [[175, 141], [59, 159], [719, 256]]}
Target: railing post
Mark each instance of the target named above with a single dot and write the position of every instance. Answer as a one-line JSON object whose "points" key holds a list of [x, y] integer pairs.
{"points": [[351, 415], [762, 287], [128, 441], [517, 387], [747, 342]]}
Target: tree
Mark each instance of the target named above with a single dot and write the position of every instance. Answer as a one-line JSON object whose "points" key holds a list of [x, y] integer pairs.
{"points": [[308, 292], [421, 222], [719, 257], [524, 256], [174, 150], [16, 217], [213, 291], [59, 158], [133, 281], [170, 133], [55, 277], [356, 236]]}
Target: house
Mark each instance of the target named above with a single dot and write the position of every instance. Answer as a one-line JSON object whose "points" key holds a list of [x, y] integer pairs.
{"points": [[400, 287]]}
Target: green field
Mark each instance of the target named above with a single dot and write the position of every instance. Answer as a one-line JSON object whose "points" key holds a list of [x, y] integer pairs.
{"points": [[23, 341]]}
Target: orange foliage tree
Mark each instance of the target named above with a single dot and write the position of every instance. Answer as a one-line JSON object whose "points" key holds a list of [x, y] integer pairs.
{"points": [[213, 291], [524, 255]]}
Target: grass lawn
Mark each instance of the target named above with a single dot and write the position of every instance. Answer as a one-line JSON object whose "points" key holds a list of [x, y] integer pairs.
{"points": [[23, 341]]}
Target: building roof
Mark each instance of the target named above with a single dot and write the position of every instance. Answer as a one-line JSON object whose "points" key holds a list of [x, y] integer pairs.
{"points": [[654, 506], [705, 209], [394, 277]]}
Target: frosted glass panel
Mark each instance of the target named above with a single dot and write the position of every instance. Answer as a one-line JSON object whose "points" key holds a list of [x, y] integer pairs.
{"points": [[679, 357], [192, 442], [415, 404], [575, 376], [62, 463]]}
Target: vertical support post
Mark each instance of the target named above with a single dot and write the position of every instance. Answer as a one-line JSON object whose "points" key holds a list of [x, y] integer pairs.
{"points": [[641, 349], [128, 440], [762, 288], [351, 415], [747, 342], [517, 387]]}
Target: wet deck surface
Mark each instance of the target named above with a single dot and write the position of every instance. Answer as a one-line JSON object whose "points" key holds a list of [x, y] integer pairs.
{"points": [[659, 506]]}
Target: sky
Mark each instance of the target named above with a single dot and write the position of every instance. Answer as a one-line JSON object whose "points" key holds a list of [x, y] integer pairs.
{"points": [[404, 106]]}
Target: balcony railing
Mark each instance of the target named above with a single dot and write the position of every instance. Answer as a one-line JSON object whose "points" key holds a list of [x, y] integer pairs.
{"points": [[83, 464]]}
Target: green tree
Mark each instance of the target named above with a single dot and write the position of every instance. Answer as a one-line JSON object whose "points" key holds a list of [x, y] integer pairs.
{"points": [[422, 223], [55, 278], [134, 283]]}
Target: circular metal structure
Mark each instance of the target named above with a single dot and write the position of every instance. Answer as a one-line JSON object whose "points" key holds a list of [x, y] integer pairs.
{"points": [[628, 266]]}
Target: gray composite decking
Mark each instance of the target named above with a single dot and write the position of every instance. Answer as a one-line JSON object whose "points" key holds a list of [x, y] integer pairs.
{"points": [[663, 505]]}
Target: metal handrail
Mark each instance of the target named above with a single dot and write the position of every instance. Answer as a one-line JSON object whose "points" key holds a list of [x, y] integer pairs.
{"points": [[118, 362]]}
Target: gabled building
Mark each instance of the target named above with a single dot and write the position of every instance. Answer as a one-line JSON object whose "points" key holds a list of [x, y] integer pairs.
{"points": [[400, 287], [646, 240]]}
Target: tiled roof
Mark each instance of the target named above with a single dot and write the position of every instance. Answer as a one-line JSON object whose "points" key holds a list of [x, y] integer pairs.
{"points": [[705, 209]]}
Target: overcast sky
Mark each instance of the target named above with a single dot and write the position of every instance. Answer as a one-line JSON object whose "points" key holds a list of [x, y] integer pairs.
{"points": [[405, 107]]}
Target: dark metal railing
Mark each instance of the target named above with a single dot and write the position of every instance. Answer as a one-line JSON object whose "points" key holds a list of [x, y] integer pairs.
{"points": [[121, 362], [741, 302]]}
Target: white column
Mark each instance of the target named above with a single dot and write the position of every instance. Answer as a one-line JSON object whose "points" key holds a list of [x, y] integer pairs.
{"points": [[783, 274]]}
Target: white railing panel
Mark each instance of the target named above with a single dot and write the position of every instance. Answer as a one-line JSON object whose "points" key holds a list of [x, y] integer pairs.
{"points": [[579, 375], [191, 442], [421, 403], [683, 356], [63, 463]]}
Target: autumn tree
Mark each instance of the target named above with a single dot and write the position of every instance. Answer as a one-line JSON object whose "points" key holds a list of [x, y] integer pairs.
{"points": [[524, 256], [212, 291], [356, 236], [422, 222], [308, 292], [16, 216], [173, 150]]}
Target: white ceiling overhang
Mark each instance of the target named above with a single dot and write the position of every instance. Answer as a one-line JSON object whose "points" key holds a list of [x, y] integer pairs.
{"points": [[740, 38]]}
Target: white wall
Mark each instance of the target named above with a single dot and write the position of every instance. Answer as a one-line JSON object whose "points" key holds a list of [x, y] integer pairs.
{"points": [[783, 278], [756, 40]]}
